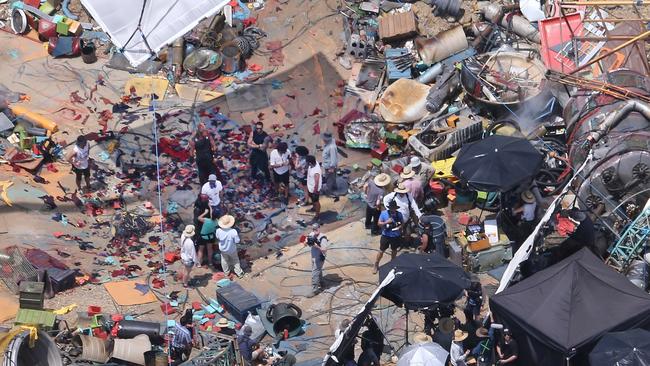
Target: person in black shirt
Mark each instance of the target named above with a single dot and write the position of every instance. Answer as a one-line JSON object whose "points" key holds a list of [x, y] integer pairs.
{"points": [[474, 301], [258, 141], [200, 205], [203, 148], [368, 356], [508, 350]]}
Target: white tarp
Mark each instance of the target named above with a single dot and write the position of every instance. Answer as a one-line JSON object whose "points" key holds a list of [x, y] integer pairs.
{"points": [[163, 21], [527, 247]]}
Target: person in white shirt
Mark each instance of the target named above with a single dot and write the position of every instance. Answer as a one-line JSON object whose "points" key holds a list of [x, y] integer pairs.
{"points": [[457, 355], [79, 156], [279, 161], [314, 184], [405, 202], [188, 253], [228, 239], [214, 190]]}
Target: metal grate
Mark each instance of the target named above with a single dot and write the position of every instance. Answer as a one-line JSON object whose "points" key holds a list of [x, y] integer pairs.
{"points": [[15, 268]]}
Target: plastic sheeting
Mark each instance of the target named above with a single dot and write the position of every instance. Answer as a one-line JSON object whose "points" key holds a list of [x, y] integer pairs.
{"points": [[163, 21]]}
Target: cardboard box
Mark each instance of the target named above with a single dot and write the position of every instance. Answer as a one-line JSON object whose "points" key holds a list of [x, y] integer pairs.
{"points": [[479, 245]]}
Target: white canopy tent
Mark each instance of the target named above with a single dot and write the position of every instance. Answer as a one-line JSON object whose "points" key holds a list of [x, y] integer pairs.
{"points": [[142, 27]]}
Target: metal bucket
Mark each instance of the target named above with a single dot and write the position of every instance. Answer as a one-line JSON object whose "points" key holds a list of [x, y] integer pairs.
{"points": [[231, 58], [88, 52], [284, 316], [18, 353], [438, 231]]}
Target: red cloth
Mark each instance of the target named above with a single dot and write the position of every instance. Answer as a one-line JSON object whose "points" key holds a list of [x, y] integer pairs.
{"points": [[565, 226], [173, 149]]}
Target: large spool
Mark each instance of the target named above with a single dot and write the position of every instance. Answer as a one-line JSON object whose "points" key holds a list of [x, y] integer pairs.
{"points": [[92, 348], [18, 352], [284, 316]]}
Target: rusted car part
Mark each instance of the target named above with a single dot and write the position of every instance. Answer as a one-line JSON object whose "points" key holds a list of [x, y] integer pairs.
{"points": [[519, 25], [443, 45], [505, 83], [616, 183]]}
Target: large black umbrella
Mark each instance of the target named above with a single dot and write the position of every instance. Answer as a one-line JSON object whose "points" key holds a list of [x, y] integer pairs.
{"points": [[423, 280], [629, 348], [497, 163]]}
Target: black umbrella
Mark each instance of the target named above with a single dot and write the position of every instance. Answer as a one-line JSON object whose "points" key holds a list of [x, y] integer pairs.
{"points": [[423, 280], [629, 348], [497, 163]]}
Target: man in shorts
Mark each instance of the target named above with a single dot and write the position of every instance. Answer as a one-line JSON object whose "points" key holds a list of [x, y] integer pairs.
{"points": [[79, 157], [391, 221]]}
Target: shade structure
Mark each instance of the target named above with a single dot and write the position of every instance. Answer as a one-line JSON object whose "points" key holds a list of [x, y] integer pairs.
{"points": [[628, 348], [160, 21], [563, 310], [423, 354], [423, 280], [497, 163]]}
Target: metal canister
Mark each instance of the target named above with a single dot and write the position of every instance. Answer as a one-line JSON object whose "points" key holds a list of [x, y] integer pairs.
{"points": [[231, 58]]}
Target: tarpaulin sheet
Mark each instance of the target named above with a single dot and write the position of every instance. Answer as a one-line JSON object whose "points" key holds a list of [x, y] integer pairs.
{"points": [[125, 293], [163, 21]]}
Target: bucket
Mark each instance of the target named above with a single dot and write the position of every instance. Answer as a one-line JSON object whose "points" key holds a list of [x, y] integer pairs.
{"points": [[132, 350], [88, 52], [92, 348], [231, 57], [18, 353], [155, 358]]}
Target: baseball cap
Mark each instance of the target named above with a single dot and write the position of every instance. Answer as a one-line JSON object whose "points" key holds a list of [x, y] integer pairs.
{"points": [[212, 177]]}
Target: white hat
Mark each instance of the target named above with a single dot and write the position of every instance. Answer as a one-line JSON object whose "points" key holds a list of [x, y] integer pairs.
{"points": [[212, 177], [226, 221], [189, 230], [407, 173], [415, 161]]}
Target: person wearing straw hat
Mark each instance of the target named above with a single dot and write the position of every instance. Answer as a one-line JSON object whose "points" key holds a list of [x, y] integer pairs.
{"points": [[406, 205], [485, 347], [375, 191], [188, 253], [526, 211], [228, 239], [421, 338], [412, 183], [422, 171], [457, 353]]}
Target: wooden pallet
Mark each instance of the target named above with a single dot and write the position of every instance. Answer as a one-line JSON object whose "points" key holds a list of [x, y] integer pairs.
{"points": [[396, 26]]}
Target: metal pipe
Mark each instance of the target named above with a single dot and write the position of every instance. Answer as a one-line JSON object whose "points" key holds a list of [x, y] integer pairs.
{"points": [[613, 118], [443, 45], [518, 24], [612, 51], [430, 74]]}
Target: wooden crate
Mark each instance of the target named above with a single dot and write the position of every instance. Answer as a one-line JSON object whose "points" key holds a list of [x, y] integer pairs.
{"points": [[396, 26]]}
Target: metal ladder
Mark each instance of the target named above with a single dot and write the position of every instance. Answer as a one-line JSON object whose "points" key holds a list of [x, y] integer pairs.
{"points": [[631, 243]]}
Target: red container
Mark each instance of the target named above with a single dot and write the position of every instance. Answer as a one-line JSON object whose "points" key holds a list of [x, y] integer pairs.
{"points": [[436, 187], [94, 310], [167, 309], [380, 152], [117, 317], [46, 29]]}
